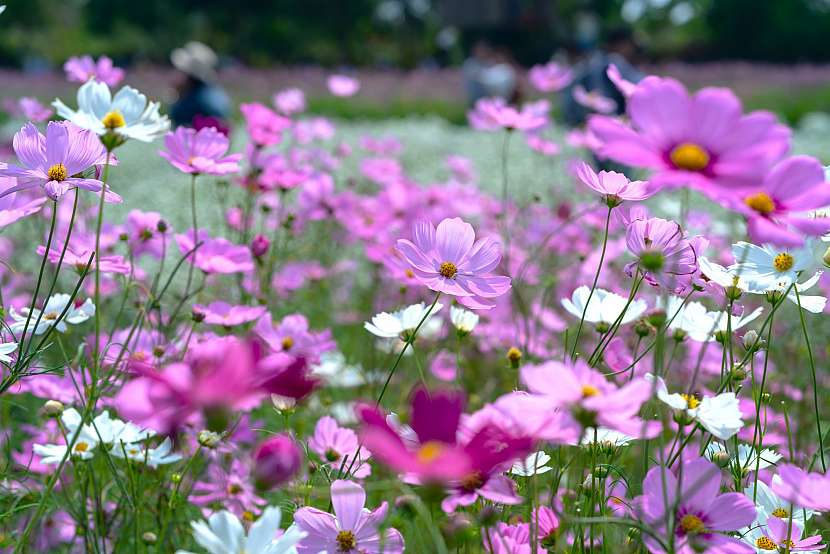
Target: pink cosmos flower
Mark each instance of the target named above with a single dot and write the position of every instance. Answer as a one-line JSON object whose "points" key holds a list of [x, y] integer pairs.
{"points": [[491, 114], [228, 488], [577, 397], [264, 125], [293, 336], [777, 534], [199, 152], [451, 261], [203, 121], [342, 85], [286, 376], [29, 108], [80, 258], [541, 145], [276, 461], [703, 140], [664, 255], [352, 528], [515, 539], [625, 87], [550, 77], [52, 161], [436, 450], [82, 69], [290, 101], [594, 100], [338, 446], [217, 255], [810, 490], [144, 233], [16, 206], [701, 514], [219, 312], [615, 187], [777, 209]]}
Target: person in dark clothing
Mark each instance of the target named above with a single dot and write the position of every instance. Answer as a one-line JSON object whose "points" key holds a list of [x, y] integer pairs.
{"points": [[591, 75], [199, 95]]}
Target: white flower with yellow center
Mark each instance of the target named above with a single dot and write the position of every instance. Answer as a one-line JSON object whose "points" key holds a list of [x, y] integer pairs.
{"points": [[720, 415], [604, 307], [746, 460], [463, 320], [223, 533], [768, 504], [606, 437], [402, 323], [534, 464], [50, 316], [769, 267], [128, 115]]}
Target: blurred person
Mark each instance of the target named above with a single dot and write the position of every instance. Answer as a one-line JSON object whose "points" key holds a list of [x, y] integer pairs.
{"points": [[200, 98], [590, 76], [489, 73]]}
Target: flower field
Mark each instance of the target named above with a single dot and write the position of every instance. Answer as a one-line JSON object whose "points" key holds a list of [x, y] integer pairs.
{"points": [[287, 333]]}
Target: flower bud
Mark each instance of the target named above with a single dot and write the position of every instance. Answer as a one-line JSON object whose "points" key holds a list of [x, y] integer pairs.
{"points": [[53, 408], [209, 439], [149, 537], [260, 245], [161, 226], [514, 356], [751, 341], [276, 461], [826, 257]]}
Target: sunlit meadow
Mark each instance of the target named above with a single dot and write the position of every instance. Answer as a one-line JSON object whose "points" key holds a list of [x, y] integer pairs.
{"points": [[292, 334]]}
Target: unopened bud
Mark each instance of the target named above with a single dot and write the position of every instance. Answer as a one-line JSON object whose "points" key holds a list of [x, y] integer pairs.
{"points": [[260, 245], [721, 458], [487, 516], [53, 408], [149, 537], [123, 237], [209, 439], [197, 315], [642, 328], [752, 341], [276, 461], [826, 257], [514, 356], [161, 226]]}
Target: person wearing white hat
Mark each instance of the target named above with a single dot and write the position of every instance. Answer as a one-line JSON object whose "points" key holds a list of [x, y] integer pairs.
{"points": [[199, 94]]}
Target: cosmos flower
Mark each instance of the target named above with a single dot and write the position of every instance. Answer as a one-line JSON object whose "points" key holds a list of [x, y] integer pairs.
{"points": [[342, 85], [265, 127], [810, 490], [219, 312], [664, 255], [490, 114], [50, 315], [15, 206], [337, 446], [127, 115], [534, 464], [604, 308], [451, 261], [463, 320], [768, 267], [614, 187], [550, 77], [701, 140], [81, 69], [769, 504], [79, 259], [199, 152], [290, 101], [215, 255], [6, 348], [720, 415], [779, 535], [223, 533], [30, 109], [402, 323], [594, 100], [700, 513], [54, 161]]}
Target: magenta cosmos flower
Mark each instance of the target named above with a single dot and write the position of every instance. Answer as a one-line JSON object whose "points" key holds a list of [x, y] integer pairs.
{"points": [[702, 140], [217, 255], [435, 449], [53, 161], [265, 126], [577, 397], [491, 114], [451, 261], [777, 210], [664, 255], [550, 77], [614, 187], [351, 529], [337, 445], [292, 336], [343, 85], [83, 68], [219, 312], [698, 512], [810, 490], [199, 152]]}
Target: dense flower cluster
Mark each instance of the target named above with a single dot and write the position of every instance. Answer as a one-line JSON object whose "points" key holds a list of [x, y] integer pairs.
{"points": [[348, 360]]}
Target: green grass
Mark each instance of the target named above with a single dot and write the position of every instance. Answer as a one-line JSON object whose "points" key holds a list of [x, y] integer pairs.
{"points": [[790, 105]]}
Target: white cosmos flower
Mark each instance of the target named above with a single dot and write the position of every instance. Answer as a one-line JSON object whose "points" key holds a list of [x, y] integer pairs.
{"points": [[811, 303], [337, 372], [84, 447], [725, 277], [223, 533], [746, 460], [534, 464], [769, 267], [399, 323], [719, 323], [463, 320], [7, 348], [51, 312], [604, 436], [128, 114], [153, 456], [768, 504], [604, 307], [720, 415]]}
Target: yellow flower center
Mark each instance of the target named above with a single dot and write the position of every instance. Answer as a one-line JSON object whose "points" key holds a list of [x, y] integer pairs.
{"points": [[691, 401], [248, 515], [472, 481], [429, 451], [765, 543], [589, 391], [514, 354], [783, 261], [57, 172], [234, 488], [689, 156], [346, 541], [691, 524], [287, 343], [781, 513], [51, 316], [448, 270], [81, 446], [113, 120], [760, 202]]}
